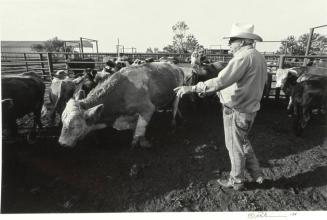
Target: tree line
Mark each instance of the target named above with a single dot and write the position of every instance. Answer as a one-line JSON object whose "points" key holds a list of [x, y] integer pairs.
{"points": [[185, 42], [293, 46]]}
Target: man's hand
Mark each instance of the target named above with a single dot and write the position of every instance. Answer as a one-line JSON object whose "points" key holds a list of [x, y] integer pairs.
{"points": [[182, 90]]}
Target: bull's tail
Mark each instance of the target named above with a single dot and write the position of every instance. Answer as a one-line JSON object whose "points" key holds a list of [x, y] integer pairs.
{"points": [[175, 110], [180, 82]]}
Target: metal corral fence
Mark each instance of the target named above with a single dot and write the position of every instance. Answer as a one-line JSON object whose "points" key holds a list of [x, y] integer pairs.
{"points": [[46, 63]]}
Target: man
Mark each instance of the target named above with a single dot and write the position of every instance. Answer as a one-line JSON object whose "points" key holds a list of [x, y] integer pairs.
{"points": [[239, 86]]}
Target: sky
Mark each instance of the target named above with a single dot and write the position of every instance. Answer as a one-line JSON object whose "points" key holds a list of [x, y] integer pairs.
{"points": [[148, 23]]}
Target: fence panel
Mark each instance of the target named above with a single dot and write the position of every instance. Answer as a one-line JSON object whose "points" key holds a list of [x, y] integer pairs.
{"points": [[46, 63]]}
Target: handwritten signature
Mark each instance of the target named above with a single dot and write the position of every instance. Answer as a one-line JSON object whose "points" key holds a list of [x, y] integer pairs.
{"points": [[253, 215]]}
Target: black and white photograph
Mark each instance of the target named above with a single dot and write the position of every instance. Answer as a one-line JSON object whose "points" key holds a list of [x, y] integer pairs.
{"points": [[201, 108]]}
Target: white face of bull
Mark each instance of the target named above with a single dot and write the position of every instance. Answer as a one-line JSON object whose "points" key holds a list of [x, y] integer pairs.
{"points": [[195, 58], [78, 122], [281, 76]]}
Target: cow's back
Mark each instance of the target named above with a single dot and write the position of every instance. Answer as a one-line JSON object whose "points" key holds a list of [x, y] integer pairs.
{"points": [[130, 90], [156, 80]]}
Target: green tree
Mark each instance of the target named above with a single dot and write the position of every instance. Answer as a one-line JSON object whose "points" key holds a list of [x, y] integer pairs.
{"points": [[155, 50], [51, 45], [169, 49], [298, 47], [38, 47], [318, 43], [192, 43], [183, 42], [289, 46], [179, 39], [54, 45], [149, 50]]}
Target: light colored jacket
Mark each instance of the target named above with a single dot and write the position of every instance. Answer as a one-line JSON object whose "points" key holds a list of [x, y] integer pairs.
{"points": [[241, 83]]}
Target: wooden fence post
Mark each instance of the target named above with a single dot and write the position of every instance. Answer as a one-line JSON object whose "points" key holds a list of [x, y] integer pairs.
{"points": [[50, 63], [26, 65], [42, 66], [280, 66]]}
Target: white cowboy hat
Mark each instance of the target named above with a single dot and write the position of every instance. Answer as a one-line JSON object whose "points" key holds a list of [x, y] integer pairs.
{"points": [[243, 31]]}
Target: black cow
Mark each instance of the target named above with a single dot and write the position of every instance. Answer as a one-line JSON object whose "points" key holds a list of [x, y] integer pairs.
{"points": [[89, 80], [307, 89], [197, 73], [192, 103], [21, 94], [306, 96]]}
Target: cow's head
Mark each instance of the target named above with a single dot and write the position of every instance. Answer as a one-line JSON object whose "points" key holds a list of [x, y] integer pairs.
{"points": [[137, 62], [284, 75], [197, 56], [60, 74], [78, 122]]}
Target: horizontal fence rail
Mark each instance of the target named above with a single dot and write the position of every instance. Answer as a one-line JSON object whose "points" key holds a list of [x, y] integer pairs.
{"points": [[47, 63]]}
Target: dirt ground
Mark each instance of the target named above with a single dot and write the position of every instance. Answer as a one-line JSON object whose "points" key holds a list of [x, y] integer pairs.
{"points": [[103, 174]]}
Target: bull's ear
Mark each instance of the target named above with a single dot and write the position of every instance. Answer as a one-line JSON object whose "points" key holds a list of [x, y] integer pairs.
{"points": [[93, 114], [80, 95]]}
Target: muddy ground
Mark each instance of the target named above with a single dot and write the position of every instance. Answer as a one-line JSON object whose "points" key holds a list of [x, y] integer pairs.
{"points": [[102, 174]]}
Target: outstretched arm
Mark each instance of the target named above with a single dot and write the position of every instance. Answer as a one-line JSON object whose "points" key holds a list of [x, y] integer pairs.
{"points": [[234, 71]]}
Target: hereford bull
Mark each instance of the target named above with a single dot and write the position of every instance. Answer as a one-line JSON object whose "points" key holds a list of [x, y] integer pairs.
{"points": [[21, 94], [307, 89], [126, 100]]}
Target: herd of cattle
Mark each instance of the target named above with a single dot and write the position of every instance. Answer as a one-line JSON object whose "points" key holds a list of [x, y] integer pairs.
{"points": [[125, 96]]}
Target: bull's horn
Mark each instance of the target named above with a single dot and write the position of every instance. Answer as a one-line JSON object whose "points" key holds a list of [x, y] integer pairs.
{"points": [[292, 71], [8, 102]]}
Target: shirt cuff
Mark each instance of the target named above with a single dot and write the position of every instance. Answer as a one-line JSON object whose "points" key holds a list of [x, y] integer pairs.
{"points": [[200, 87]]}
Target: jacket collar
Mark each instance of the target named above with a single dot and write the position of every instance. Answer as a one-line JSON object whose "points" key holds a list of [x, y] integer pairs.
{"points": [[242, 49]]}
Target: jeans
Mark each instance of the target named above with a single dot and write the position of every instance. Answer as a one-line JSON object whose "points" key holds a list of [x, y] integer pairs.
{"points": [[237, 126]]}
